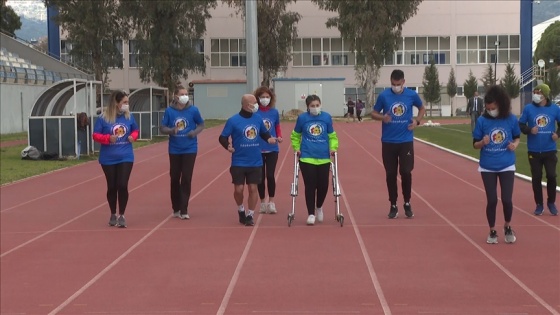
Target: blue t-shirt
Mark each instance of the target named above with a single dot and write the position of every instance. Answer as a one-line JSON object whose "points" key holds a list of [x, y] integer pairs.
{"points": [[546, 118], [186, 119], [245, 134], [495, 156], [271, 119], [120, 151], [314, 130], [399, 106]]}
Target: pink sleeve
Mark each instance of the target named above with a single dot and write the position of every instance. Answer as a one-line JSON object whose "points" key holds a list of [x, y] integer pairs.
{"points": [[134, 135], [101, 138]]}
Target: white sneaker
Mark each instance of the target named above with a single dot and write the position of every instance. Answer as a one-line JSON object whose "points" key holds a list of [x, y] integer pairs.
{"points": [[272, 208], [264, 207], [319, 213], [310, 219], [184, 216], [176, 214]]}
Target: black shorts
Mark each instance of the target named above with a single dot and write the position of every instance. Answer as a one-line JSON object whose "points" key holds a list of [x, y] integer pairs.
{"points": [[245, 175], [351, 110]]}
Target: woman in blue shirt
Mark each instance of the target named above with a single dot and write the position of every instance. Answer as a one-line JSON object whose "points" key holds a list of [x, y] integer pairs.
{"points": [[314, 141], [115, 130], [496, 134], [182, 122]]}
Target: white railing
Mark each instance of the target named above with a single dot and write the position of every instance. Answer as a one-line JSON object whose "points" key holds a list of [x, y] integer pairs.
{"points": [[528, 76]]}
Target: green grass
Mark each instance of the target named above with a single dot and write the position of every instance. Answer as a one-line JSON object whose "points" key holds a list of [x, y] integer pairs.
{"points": [[13, 168], [459, 138]]}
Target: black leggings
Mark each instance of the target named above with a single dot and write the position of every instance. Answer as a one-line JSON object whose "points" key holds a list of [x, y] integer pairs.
{"points": [[549, 161], [315, 179], [269, 167], [181, 168], [398, 156], [117, 176], [490, 181]]}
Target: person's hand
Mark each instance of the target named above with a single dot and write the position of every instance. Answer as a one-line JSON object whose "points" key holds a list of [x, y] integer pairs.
{"points": [[230, 148], [534, 130], [130, 139], [554, 136], [113, 138], [191, 134], [386, 118], [271, 140], [176, 130], [332, 152], [412, 125], [298, 153], [512, 146], [279, 139], [485, 140]]}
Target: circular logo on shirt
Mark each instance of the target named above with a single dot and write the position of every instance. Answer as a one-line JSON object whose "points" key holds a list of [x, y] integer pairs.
{"points": [[250, 132], [267, 123], [119, 130], [542, 121], [315, 130], [498, 136], [181, 123], [398, 109]]}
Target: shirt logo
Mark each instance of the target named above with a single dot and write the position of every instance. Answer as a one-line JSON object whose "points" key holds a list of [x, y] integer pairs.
{"points": [[542, 121], [398, 109], [181, 123], [119, 130], [250, 132], [315, 130], [498, 136], [267, 124]]}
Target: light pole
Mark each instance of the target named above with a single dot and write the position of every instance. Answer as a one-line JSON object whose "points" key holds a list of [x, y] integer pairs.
{"points": [[496, 44]]}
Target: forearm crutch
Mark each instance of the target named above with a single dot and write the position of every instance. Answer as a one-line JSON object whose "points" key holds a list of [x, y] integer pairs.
{"points": [[336, 189], [294, 191]]}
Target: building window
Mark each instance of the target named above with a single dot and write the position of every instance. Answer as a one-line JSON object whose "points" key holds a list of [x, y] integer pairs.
{"points": [[65, 48], [482, 49], [133, 54], [421, 50], [115, 61], [321, 52], [228, 52]]}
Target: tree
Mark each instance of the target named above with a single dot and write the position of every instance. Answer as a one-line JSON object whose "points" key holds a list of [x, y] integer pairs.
{"points": [[548, 47], [371, 29], [276, 33], [451, 87], [488, 77], [9, 21], [168, 38], [470, 86], [510, 82], [554, 82], [93, 30], [432, 87]]}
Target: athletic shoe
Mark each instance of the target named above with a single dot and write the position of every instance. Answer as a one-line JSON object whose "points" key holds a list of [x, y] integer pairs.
{"points": [[539, 210], [393, 212], [184, 216], [121, 221], [552, 208], [113, 220], [249, 220], [492, 237], [176, 214], [408, 210], [310, 219], [509, 235], [241, 216], [319, 212], [272, 208], [264, 207]]}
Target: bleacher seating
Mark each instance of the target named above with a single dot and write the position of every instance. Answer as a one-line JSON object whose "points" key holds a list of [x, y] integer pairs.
{"points": [[14, 69]]}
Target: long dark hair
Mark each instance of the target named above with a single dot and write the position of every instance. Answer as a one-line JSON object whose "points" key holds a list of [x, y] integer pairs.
{"points": [[498, 94], [312, 98]]}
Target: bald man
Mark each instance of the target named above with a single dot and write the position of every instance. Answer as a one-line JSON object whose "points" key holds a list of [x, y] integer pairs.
{"points": [[241, 138]]}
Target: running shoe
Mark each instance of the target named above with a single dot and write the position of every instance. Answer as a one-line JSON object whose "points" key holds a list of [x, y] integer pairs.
{"points": [[509, 235], [492, 237], [121, 221], [408, 210], [249, 220], [319, 212], [310, 219], [539, 210], [272, 208], [241, 216], [552, 208], [113, 220], [393, 212], [264, 207]]}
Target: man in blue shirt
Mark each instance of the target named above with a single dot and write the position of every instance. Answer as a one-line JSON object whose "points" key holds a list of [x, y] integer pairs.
{"points": [[244, 130], [394, 107], [538, 121]]}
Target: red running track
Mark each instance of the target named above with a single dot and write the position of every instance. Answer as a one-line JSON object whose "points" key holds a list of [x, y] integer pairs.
{"points": [[58, 256]]}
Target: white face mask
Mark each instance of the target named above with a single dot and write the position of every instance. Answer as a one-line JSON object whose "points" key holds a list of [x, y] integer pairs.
{"points": [[315, 110], [397, 89], [537, 98], [124, 108], [183, 99], [254, 108], [493, 113], [264, 101]]}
